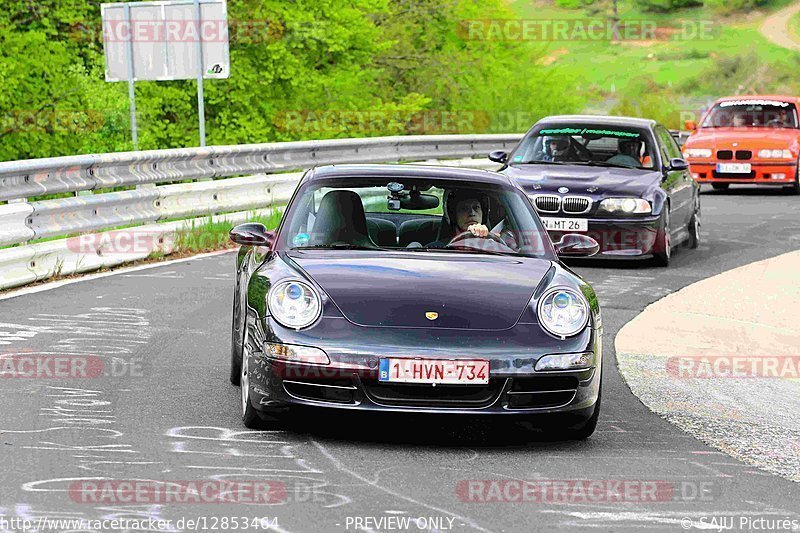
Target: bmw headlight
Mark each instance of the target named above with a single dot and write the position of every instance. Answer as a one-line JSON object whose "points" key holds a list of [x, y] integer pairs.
{"points": [[625, 205], [294, 304], [563, 312], [775, 154], [697, 152]]}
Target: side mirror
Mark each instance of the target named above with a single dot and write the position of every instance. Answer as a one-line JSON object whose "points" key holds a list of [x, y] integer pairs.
{"points": [[690, 125], [252, 234], [576, 245], [498, 156], [678, 164]]}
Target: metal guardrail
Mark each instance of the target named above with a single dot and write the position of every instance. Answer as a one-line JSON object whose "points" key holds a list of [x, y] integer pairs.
{"points": [[21, 222], [27, 264], [89, 252], [35, 177], [51, 218]]}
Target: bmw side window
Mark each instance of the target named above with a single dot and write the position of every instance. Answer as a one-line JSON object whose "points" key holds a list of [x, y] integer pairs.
{"points": [[672, 146], [663, 145]]}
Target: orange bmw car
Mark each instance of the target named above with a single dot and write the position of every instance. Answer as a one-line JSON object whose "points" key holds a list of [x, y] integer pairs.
{"points": [[746, 139]]}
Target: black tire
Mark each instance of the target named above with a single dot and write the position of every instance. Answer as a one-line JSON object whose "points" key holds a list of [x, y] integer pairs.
{"points": [[720, 186], [252, 418], [795, 187], [236, 350], [663, 245], [695, 233], [585, 430]]}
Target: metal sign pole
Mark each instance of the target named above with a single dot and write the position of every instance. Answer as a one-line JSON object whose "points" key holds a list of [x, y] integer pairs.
{"points": [[131, 91], [201, 109]]}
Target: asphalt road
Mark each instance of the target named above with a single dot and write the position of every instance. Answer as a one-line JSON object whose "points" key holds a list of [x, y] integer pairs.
{"points": [[170, 414]]}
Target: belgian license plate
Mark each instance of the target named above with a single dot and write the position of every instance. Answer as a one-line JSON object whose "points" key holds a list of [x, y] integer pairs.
{"points": [[565, 224], [444, 371], [733, 168]]}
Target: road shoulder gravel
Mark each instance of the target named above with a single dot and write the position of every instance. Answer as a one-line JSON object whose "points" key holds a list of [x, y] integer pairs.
{"points": [[720, 360]]}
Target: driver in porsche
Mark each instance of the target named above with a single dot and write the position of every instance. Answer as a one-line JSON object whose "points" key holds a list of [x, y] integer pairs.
{"points": [[467, 211]]}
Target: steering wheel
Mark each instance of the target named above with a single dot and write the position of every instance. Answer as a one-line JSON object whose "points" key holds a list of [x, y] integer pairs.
{"points": [[775, 123], [464, 235]]}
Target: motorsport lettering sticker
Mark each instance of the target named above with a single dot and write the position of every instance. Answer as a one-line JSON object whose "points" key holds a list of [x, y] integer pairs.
{"points": [[589, 131], [772, 103]]}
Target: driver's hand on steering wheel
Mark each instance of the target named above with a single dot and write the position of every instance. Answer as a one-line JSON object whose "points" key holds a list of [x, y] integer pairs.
{"points": [[478, 230]]}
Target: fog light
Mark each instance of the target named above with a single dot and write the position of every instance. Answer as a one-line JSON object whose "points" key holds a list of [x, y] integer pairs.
{"points": [[565, 361], [779, 176], [297, 354], [695, 175]]}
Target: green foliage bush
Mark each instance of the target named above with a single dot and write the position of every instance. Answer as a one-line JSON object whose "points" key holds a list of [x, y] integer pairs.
{"points": [[644, 98], [663, 6], [306, 69], [727, 6]]}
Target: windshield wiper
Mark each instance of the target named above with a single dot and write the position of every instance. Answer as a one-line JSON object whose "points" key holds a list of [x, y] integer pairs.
{"points": [[467, 250], [604, 164], [540, 162], [337, 246]]}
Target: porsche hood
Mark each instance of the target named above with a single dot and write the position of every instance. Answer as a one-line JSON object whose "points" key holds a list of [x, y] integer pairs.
{"points": [[465, 291]]}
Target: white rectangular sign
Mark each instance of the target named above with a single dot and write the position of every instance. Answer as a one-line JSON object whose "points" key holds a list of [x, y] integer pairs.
{"points": [[162, 37]]}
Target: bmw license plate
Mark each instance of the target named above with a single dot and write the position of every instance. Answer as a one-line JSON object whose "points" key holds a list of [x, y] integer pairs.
{"points": [[444, 371], [565, 224], [733, 168]]}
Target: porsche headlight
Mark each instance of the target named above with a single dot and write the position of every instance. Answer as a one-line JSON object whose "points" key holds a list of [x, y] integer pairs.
{"points": [[697, 152], [625, 205], [563, 312], [297, 354], [775, 154], [565, 361], [294, 304]]}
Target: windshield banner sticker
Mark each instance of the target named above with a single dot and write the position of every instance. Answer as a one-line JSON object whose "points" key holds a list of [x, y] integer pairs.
{"points": [[588, 131], [773, 103]]}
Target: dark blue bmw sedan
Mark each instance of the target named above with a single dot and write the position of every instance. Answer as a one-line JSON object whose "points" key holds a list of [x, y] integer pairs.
{"points": [[414, 289], [620, 180]]}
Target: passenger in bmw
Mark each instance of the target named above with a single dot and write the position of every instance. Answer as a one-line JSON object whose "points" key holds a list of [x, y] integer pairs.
{"points": [[630, 154]]}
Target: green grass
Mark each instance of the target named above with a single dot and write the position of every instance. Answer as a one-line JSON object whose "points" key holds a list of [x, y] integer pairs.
{"points": [[206, 235], [794, 25], [685, 73]]}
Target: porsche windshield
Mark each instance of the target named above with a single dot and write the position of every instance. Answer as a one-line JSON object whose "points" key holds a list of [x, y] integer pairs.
{"points": [[752, 114], [586, 144], [413, 215]]}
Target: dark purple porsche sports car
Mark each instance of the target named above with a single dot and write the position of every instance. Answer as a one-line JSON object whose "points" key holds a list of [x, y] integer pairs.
{"points": [[414, 289], [620, 180]]}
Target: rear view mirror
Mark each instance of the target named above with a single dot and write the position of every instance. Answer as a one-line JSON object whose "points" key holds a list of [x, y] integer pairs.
{"points": [[498, 156], [252, 234], [414, 201], [576, 245]]}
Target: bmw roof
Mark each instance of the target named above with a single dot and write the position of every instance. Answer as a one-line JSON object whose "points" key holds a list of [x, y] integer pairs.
{"points": [[600, 119]]}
